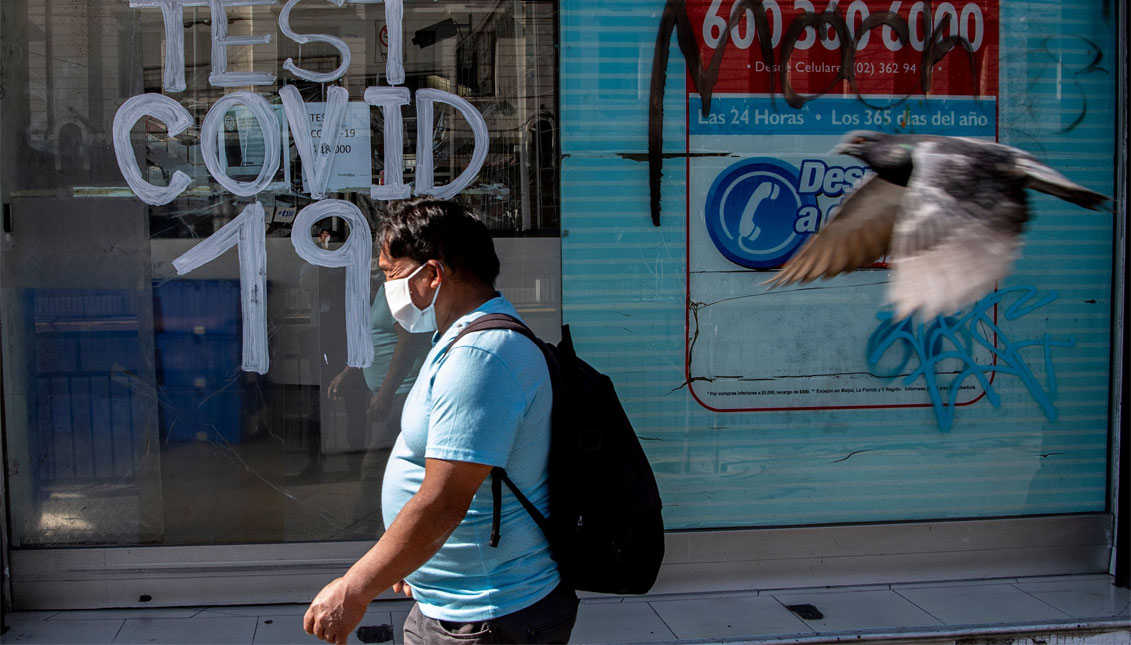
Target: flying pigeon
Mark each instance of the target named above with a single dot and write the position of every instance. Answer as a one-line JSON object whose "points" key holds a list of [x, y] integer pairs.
{"points": [[948, 212]]}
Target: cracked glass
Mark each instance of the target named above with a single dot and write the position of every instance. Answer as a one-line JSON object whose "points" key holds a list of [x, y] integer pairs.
{"points": [[128, 418]]}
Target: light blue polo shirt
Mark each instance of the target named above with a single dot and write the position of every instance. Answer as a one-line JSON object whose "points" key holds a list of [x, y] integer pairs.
{"points": [[487, 401]]}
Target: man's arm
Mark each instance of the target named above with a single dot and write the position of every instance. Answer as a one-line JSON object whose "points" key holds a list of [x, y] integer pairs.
{"points": [[422, 526], [417, 533]]}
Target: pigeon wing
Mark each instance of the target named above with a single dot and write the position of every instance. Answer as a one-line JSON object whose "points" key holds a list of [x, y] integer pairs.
{"points": [[857, 236], [958, 233]]}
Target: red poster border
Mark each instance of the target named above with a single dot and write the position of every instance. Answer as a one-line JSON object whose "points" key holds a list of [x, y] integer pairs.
{"points": [[687, 300]]}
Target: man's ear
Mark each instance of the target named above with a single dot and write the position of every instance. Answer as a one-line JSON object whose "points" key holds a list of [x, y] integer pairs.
{"points": [[440, 273]]}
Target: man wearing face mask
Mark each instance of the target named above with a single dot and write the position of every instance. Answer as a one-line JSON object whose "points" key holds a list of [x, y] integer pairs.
{"points": [[484, 401]]}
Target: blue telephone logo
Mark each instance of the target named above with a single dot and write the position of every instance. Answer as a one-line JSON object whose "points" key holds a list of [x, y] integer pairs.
{"points": [[751, 211]]}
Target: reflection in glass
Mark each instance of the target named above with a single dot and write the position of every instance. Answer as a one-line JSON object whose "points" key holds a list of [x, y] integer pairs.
{"points": [[128, 418]]}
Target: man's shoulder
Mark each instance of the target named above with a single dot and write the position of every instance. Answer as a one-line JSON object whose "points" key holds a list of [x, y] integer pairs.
{"points": [[503, 340], [506, 345], [511, 348]]}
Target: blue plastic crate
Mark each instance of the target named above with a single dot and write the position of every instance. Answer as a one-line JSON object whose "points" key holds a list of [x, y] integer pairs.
{"points": [[197, 360], [191, 415], [202, 307], [88, 420]]}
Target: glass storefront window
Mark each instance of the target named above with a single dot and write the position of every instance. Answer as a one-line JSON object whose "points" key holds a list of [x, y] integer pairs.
{"points": [[130, 421], [128, 417]]}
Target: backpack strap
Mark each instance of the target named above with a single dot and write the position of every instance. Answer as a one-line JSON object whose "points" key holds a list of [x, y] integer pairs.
{"points": [[496, 321], [496, 513], [499, 475]]}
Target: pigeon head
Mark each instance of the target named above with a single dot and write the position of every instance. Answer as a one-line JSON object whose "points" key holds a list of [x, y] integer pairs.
{"points": [[879, 150]]}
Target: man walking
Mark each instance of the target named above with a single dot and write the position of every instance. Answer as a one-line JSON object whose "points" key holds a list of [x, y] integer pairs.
{"points": [[482, 402]]}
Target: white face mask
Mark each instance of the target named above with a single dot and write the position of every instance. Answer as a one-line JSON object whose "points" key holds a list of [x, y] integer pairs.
{"points": [[404, 311]]}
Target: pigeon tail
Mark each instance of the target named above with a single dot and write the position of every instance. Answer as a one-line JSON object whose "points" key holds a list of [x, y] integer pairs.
{"points": [[1049, 181]]}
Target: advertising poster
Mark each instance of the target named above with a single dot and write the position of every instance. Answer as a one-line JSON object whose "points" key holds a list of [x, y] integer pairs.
{"points": [[352, 166], [241, 142], [761, 181]]}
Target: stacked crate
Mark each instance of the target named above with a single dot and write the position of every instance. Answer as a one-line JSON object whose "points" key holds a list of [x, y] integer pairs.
{"points": [[197, 333], [88, 418]]}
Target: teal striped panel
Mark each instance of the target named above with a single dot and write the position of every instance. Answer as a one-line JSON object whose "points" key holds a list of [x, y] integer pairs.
{"points": [[624, 287]]}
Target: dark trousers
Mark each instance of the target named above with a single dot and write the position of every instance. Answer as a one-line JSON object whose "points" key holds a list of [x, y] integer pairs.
{"points": [[549, 620]]}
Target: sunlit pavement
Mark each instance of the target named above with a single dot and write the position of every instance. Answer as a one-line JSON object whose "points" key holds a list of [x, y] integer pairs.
{"points": [[1062, 609]]}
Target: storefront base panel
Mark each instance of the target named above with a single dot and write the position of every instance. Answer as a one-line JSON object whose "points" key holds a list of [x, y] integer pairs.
{"points": [[696, 561]]}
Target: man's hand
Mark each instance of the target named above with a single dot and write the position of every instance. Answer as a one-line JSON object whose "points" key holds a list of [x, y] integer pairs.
{"points": [[417, 533], [335, 383], [334, 613], [379, 407], [334, 390]]}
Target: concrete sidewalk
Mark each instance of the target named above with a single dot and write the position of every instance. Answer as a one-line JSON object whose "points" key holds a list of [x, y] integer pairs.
{"points": [[1064, 609]]}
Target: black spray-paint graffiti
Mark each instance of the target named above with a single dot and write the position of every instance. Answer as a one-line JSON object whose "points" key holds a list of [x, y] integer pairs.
{"points": [[675, 18], [1075, 75], [949, 341]]}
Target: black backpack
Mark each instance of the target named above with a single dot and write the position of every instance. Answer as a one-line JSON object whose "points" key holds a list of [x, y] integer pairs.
{"points": [[604, 528]]}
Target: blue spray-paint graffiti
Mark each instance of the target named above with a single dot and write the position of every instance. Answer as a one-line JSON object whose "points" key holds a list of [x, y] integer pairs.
{"points": [[953, 340]]}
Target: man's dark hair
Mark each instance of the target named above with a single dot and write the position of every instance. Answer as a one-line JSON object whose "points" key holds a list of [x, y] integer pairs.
{"points": [[431, 229]]}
